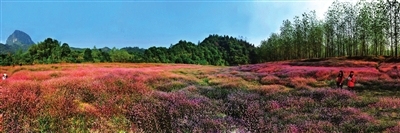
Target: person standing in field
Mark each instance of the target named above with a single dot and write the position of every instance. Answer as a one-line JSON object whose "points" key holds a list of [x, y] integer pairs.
{"points": [[5, 76], [339, 80], [351, 80]]}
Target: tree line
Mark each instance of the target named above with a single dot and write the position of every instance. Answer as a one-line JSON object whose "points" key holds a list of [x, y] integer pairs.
{"points": [[214, 50], [366, 28]]}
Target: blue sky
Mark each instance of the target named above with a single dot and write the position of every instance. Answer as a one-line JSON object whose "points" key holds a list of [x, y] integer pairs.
{"points": [[122, 23]]}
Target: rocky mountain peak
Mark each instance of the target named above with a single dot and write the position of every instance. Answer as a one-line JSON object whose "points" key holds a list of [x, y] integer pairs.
{"points": [[19, 38]]}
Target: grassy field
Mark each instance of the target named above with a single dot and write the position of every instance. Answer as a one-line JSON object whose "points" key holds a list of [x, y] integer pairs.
{"points": [[296, 96]]}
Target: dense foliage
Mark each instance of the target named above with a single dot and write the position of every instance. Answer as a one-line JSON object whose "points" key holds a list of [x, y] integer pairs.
{"points": [[214, 50], [367, 28]]}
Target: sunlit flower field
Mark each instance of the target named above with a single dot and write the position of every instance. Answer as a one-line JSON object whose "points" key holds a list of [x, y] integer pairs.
{"points": [[284, 96]]}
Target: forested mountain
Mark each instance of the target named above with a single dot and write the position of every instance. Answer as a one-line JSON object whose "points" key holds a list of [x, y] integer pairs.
{"points": [[132, 50], [4, 49], [214, 50]]}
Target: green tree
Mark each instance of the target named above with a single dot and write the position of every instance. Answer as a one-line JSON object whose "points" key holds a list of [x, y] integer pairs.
{"points": [[65, 51], [120, 55], [157, 55], [184, 52], [96, 55], [48, 51], [87, 55]]}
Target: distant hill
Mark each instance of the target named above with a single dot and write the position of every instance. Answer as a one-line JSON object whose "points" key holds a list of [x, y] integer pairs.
{"points": [[17, 40], [105, 49], [4, 49], [133, 49], [77, 49]]}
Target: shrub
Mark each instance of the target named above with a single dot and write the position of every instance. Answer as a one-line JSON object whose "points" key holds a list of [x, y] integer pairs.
{"points": [[394, 129], [175, 112], [301, 83], [20, 103], [270, 79], [387, 103], [216, 93], [270, 89]]}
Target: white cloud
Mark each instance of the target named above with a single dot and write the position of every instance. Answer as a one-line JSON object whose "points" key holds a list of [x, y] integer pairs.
{"points": [[256, 40], [322, 6], [267, 16]]}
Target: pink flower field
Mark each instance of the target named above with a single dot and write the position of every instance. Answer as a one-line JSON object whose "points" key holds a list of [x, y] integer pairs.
{"points": [[288, 96]]}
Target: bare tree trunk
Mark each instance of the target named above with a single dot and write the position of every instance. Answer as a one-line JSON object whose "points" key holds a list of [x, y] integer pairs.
{"points": [[396, 26]]}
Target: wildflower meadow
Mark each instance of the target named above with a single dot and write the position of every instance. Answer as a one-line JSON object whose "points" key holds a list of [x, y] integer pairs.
{"points": [[286, 96]]}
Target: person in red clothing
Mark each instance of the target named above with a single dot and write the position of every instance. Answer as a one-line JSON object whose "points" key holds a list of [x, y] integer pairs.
{"points": [[351, 80], [339, 80]]}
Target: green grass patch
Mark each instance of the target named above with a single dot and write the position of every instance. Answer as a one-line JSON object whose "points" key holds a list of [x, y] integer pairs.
{"points": [[19, 69], [364, 101], [39, 69], [204, 82], [216, 93], [171, 86], [80, 124]]}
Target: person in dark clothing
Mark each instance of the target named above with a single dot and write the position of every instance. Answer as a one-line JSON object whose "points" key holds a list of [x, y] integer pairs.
{"points": [[339, 80]]}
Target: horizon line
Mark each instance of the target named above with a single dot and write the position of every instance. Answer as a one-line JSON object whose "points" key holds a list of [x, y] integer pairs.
{"points": [[158, 1]]}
